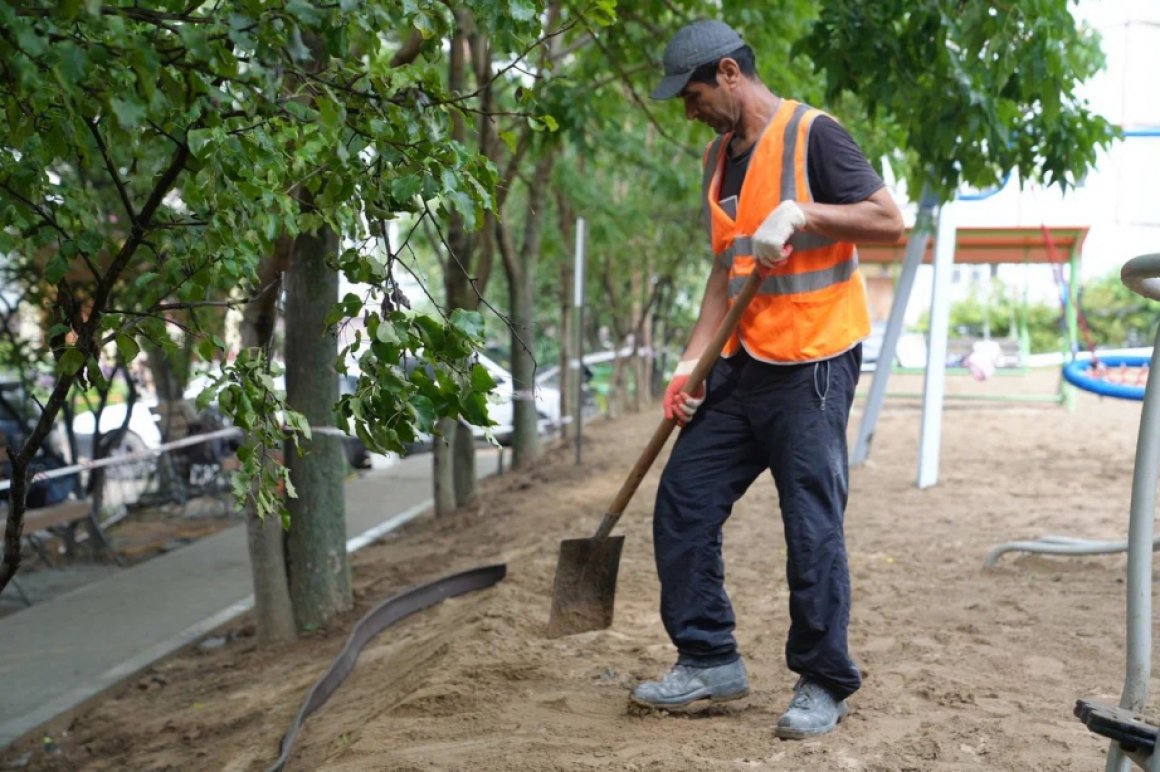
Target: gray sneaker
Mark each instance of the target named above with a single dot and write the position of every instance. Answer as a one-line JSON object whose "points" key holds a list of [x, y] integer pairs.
{"points": [[684, 685], [812, 711]]}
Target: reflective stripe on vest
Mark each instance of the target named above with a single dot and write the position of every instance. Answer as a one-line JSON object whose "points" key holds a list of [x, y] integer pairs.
{"points": [[789, 148], [791, 283], [801, 241]]}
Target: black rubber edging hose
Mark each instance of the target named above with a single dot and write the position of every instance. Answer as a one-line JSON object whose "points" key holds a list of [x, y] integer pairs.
{"points": [[376, 620]]}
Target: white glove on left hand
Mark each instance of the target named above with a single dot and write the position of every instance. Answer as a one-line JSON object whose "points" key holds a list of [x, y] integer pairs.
{"points": [[771, 237]]}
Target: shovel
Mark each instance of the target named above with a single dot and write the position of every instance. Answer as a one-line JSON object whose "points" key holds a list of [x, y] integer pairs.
{"points": [[585, 588]]}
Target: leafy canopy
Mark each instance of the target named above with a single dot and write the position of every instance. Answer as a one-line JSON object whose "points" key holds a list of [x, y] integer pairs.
{"points": [[151, 156], [976, 89]]}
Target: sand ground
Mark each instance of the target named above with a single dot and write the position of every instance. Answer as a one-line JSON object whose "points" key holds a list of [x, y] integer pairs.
{"points": [[964, 668]]}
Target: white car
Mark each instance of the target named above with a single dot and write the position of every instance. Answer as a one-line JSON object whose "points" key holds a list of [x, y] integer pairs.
{"points": [[502, 409], [141, 434]]}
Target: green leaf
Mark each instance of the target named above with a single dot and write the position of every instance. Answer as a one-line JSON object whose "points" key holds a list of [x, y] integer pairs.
{"points": [[474, 407], [469, 323], [56, 268], [206, 349], [603, 12], [297, 47], [543, 122], [71, 361], [96, 378], [128, 347], [481, 379], [425, 412], [298, 423], [198, 139], [386, 333], [31, 42], [129, 111], [329, 113], [521, 10], [291, 491], [305, 12], [510, 140], [196, 41]]}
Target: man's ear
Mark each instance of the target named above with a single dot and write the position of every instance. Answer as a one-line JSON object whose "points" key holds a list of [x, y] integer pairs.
{"points": [[728, 72]]}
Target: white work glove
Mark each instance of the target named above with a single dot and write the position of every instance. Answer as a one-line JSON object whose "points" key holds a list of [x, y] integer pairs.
{"points": [[679, 406], [769, 243]]}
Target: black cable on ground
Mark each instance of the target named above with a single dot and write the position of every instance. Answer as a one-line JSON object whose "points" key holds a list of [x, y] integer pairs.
{"points": [[375, 621]]}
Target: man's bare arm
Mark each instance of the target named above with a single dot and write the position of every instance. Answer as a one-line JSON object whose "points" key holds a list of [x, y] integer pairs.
{"points": [[714, 306], [875, 219]]}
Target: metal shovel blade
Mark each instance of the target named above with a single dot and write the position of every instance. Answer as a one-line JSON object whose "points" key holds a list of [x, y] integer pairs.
{"points": [[585, 589]]}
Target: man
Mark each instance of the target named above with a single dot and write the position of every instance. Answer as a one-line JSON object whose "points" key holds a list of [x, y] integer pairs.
{"points": [[787, 193]]}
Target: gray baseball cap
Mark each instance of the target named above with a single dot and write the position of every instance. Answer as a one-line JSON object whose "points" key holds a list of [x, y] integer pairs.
{"points": [[698, 43]]}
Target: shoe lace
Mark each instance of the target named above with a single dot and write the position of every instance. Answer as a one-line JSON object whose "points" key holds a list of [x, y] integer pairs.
{"points": [[805, 695], [677, 673]]}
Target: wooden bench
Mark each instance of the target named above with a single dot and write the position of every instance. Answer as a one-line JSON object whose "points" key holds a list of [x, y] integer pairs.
{"points": [[63, 515]]}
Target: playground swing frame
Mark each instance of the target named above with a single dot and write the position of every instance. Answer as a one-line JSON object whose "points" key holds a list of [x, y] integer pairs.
{"points": [[1002, 246]]}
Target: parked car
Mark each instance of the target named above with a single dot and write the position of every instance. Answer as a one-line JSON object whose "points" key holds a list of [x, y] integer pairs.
{"points": [[18, 414]]}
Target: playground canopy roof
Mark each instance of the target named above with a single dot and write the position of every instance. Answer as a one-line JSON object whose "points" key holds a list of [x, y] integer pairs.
{"points": [[989, 246]]}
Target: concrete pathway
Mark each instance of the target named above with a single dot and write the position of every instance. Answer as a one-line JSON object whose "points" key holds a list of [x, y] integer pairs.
{"points": [[58, 655]]}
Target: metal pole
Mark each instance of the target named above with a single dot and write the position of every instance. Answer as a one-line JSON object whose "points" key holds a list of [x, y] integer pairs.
{"points": [[934, 385], [915, 248], [1140, 534], [578, 306], [1068, 392]]}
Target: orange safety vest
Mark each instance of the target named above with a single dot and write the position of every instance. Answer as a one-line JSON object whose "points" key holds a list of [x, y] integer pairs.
{"points": [[813, 306]]}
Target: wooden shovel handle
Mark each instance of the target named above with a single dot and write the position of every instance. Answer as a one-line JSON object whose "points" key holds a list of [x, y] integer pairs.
{"points": [[696, 378]]}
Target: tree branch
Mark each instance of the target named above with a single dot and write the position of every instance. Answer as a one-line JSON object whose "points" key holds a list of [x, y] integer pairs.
{"points": [[43, 214], [112, 169], [140, 226]]}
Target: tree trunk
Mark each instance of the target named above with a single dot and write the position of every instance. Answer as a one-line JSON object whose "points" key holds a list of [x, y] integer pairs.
{"points": [[171, 409], [521, 273], [273, 613], [565, 219], [453, 471], [455, 479], [525, 418], [444, 465], [463, 470], [320, 584], [616, 384]]}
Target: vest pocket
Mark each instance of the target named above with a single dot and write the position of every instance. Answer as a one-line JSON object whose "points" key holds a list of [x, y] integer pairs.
{"points": [[821, 321]]}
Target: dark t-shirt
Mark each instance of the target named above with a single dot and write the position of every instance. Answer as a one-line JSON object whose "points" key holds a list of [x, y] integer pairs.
{"points": [[838, 171]]}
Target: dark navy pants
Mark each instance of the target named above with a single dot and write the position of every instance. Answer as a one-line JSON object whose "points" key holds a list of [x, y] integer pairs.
{"points": [[791, 420]]}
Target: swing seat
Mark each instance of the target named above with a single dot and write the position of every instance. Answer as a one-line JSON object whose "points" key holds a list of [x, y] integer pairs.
{"points": [[1130, 730]]}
